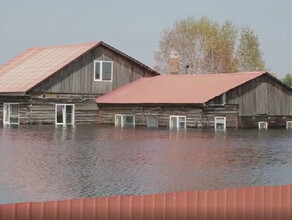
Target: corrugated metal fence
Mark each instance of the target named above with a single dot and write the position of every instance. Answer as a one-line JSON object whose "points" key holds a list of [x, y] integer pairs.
{"points": [[252, 203]]}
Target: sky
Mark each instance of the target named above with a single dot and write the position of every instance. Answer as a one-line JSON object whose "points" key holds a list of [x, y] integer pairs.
{"points": [[135, 27]]}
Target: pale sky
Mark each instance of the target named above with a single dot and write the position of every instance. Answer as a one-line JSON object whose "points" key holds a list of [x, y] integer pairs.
{"points": [[135, 27]]}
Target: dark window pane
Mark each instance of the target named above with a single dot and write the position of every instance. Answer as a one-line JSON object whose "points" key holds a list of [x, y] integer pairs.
{"points": [[128, 120], [97, 70], [14, 120], [13, 109], [106, 71], [69, 108], [60, 113]]}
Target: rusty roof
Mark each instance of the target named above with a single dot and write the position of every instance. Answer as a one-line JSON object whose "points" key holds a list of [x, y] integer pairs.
{"points": [[177, 89], [251, 203], [35, 65]]}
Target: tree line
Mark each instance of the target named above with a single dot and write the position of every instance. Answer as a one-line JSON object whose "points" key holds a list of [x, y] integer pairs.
{"points": [[206, 46]]}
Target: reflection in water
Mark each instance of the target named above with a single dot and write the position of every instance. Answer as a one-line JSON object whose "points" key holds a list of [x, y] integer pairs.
{"points": [[46, 163]]}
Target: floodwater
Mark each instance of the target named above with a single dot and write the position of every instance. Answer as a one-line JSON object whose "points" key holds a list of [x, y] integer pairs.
{"points": [[39, 163]]}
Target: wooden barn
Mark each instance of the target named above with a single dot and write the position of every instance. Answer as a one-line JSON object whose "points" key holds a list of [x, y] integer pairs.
{"points": [[58, 85], [220, 101]]}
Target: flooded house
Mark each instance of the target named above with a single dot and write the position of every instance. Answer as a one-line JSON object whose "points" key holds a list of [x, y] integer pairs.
{"points": [[58, 85], [220, 101]]}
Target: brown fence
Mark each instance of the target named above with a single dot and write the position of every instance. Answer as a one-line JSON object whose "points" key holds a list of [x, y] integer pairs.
{"points": [[253, 203]]}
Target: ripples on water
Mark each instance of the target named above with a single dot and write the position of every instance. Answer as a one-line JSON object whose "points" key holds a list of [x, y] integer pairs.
{"points": [[46, 163]]}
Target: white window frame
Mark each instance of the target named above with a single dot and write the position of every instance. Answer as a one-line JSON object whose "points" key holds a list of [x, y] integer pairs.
{"points": [[177, 121], [287, 124], [4, 114], [100, 70], [224, 121], [263, 122], [123, 119], [64, 123]]}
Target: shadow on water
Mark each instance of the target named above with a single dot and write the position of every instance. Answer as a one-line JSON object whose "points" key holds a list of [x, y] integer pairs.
{"points": [[46, 163]]}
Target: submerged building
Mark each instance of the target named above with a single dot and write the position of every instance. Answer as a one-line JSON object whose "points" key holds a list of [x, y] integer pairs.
{"points": [[220, 101], [58, 85]]}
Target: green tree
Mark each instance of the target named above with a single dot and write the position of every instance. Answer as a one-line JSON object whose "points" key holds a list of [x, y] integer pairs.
{"points": [[287, 80], [249, 54], [204, 45]]}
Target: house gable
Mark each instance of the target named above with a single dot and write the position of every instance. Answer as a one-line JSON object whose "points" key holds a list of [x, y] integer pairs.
{"points": [[264, 95], [78, 76]]}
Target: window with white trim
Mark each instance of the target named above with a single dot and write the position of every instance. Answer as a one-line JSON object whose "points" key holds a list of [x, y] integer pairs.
{"points": [[124, 120], [288, 124], [177, 122], [220, 123], [263, 125], [64, 114], [10, 113], [103, 70]]}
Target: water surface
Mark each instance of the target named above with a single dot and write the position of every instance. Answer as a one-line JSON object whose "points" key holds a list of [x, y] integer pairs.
{"points": [[40, 163]]}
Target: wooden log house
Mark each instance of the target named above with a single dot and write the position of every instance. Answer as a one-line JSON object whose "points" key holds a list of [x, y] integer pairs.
{"points": [[220, 101], [58, 85]]}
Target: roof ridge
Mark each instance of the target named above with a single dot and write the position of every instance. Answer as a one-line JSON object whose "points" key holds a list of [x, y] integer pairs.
{"points": [[212, 74], [65, 45]]}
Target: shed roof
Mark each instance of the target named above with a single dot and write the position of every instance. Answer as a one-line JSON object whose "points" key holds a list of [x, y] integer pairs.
{"points": [[35, 65], [177, 89]]}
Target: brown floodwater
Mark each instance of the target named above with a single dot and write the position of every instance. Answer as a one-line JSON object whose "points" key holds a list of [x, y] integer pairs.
{"points": [[40, 163]]}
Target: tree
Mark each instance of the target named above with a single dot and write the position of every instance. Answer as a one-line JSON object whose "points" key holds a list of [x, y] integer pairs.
{"points": [[205, 46], [249, 54], [287, 80]]}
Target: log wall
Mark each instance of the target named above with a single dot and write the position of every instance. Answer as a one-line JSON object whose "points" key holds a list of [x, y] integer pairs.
{"points": [[261, 96], [36, 110], [196, 117]]}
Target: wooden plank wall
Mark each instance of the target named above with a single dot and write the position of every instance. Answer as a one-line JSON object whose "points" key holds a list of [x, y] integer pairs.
{"points": [[78, 78], [273, 121], [42, 110], [261, 96], [195, 117]]}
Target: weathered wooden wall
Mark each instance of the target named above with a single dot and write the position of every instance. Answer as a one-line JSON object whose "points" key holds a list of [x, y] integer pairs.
{"points": [[78, 77], [261, 96], [23, 102], [273, 121], [196, 117], [34, 110]]}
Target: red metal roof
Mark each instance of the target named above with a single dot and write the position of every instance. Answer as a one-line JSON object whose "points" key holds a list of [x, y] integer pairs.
{"points": [[36, 64], [252, 203], [176, 89]]}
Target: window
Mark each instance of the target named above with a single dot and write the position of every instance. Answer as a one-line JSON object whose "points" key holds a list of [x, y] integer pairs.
{"points": [[10, 113], [220, 123], [288, 124], [263, 125], [124, 120], [152, 122], [177, 122], [103, 70], [64, 114]]}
